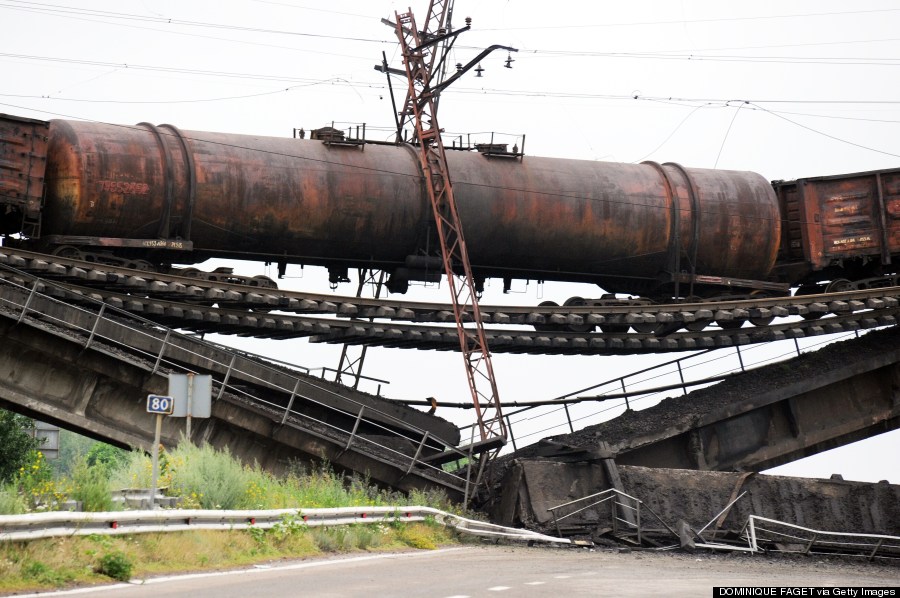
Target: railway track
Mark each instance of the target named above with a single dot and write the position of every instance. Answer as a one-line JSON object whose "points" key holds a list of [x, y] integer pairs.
{"points": [[616, 328]]}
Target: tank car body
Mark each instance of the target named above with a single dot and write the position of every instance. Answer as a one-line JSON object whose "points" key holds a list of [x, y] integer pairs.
{"points": [[183, 196]]}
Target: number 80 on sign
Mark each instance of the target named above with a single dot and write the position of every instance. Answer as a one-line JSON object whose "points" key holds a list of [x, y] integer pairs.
{"points": [[160, 404]]}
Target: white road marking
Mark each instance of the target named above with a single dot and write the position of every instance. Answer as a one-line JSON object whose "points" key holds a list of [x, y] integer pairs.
{"points": [[535, 583], [294, 566], [561, 576], [460, 596], [498, 588]]}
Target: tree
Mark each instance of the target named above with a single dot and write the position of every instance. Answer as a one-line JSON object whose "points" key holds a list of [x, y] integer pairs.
{"points": [[16, 442]]}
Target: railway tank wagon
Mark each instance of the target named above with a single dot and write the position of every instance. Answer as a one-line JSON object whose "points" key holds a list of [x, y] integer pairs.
{"points": [[158, 194]]}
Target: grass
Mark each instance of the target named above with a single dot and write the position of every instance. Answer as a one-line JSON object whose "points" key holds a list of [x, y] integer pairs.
{"points": [[206, 478], [86, 560]]}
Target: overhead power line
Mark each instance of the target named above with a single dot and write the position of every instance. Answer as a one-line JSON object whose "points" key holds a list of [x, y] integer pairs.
{"points": [[701, 20], [70, 10]]}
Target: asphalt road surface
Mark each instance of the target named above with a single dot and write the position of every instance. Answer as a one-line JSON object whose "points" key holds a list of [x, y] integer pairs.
{"points": [[498, 571]]}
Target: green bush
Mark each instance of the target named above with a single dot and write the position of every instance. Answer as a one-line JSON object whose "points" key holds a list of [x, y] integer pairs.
{"points": [[215, 478], [115, 564], [106, 456], [92, 487], [11, 501]]}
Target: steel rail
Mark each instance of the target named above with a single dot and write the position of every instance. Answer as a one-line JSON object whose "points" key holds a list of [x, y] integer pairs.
{"points": [[167, 286], [879, 309]]}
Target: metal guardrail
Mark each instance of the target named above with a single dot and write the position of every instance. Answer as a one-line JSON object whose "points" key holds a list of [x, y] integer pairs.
{"points": [[805, 540], [108, 319], [65, 523]]}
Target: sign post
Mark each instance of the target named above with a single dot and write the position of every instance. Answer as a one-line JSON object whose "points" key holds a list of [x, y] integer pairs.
{"points": [[192, 394], [160, 405]]}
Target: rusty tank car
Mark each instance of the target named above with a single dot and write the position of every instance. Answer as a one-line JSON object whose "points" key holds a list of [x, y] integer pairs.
{"points": [[159, 196]]}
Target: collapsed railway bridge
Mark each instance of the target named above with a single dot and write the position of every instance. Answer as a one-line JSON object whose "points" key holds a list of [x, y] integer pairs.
{"points": [[93, 216], [77, 353]]}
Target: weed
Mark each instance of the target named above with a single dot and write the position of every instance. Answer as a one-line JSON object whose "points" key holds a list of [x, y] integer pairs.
{"points": [[91, 486], [115, 564], [45, 575], [417, 536], [11, 501]]}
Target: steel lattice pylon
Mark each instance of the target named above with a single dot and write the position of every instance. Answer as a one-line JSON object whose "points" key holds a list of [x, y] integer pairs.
{"points": [[419, 50], [354, 357]]}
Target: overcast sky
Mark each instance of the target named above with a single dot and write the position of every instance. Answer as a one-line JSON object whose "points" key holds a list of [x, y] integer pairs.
{"points": [[787, 90]]}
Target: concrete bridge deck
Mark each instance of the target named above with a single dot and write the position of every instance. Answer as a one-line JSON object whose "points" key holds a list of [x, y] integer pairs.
{"points": [[845, 392], [91, 371]]}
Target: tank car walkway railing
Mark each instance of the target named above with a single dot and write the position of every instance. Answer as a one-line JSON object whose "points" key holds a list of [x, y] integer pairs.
{"points": [[241, 379]]}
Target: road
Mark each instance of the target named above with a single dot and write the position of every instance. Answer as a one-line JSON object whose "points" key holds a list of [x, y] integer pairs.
{"points": [[497, 571]]}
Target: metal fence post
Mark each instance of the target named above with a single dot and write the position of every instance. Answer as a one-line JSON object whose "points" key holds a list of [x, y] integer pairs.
{"points": [[638, 517], [810, 545], [877, 546], [511, 437], [612, 512], [568, 417], [681, 375], [227, 376], [290, 404], [418, 451], [96, 325], [355, 427], [753, 532], [161, 351], [625, 392], [28, 301], [740, 359]]}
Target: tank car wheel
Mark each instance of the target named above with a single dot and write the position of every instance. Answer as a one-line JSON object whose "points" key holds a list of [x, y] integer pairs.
{"points": [[698, 325], [142, 265], [263, 282], [68, 251], [839, 285], [647, 327], [579, 328]]}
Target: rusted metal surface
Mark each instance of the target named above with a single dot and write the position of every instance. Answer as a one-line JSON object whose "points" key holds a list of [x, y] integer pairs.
{"points": [[847, 220], [616, 222], [264, 196], [304, 201], [23, 159]]}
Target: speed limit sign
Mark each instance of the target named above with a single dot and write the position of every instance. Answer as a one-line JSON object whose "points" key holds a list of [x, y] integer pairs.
{"points": [[160, 404]]}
